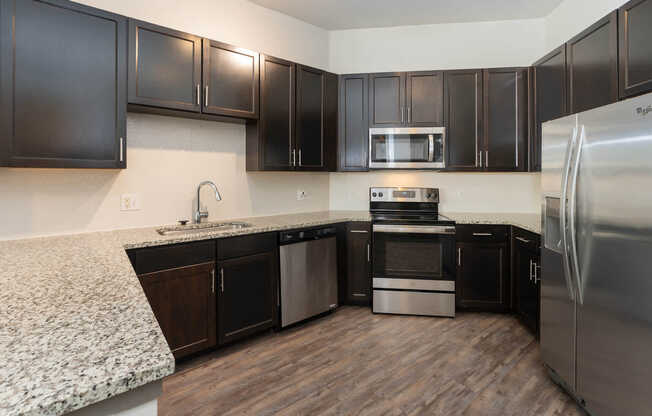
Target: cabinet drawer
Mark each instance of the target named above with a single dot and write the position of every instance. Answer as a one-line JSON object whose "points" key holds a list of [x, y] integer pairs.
{"points": [[359, 227], [482, 233], [229, 248], [526, 239], [152, 259]]}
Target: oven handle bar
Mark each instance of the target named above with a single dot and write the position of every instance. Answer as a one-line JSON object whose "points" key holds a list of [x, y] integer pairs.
{"points": [[414, 229]]}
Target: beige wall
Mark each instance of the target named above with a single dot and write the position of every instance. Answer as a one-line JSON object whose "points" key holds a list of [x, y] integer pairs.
{"points": [[167, 158], [459, 192]]}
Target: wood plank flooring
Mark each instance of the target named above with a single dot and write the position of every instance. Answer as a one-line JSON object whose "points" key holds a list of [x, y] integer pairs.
{"points": [[353, 362]]}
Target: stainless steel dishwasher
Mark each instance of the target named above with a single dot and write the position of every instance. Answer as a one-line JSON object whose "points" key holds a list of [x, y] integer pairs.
{"points": [[308, 273]]}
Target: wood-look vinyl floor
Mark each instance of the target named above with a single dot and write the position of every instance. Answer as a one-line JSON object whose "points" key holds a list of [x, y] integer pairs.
{"points": [[353, 362]]}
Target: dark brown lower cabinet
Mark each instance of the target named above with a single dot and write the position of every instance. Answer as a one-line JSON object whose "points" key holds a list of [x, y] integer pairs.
{"points": [[483, 271], [183, 301], [358, 263], [526, 275], [247, 286]]}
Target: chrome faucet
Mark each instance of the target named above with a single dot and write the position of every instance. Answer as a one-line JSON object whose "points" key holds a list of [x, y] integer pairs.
{"points": [[199, 214]]}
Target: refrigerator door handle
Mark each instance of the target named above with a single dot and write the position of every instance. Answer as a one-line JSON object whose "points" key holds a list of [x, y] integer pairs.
{"points": [[562, 215], [575, 265]]}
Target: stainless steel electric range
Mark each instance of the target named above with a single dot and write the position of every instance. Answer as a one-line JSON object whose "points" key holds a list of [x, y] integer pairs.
{"points": [[413, 253]]}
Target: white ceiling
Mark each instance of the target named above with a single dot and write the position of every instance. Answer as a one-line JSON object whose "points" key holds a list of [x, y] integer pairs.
{"points": [[351, 14]]}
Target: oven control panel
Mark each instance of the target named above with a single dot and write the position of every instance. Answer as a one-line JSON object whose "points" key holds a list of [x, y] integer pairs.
{"points": [[403, 194]]}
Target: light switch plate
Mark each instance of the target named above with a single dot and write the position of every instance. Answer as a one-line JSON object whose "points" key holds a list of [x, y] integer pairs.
{"points": [[129, 202]]}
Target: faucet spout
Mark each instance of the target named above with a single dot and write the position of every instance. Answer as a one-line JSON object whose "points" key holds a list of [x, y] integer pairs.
{"points": [[199, 214]]}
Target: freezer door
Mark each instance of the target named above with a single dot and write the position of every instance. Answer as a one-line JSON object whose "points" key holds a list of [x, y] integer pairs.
{"points": [[557, 312], [611, 254]]}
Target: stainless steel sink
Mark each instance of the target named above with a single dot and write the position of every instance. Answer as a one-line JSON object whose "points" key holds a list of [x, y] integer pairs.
{"points": [[202, 228]]}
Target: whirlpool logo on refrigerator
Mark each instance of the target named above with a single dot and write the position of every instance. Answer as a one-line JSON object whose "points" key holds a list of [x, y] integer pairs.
{"points": [[643, 111]]}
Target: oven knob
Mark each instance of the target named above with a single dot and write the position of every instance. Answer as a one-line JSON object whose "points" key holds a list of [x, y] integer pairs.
{"points": [[380, 194], [374, 194], [428, 196]]}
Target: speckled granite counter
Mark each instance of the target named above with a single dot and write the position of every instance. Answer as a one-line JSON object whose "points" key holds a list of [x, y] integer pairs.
{"points": [[75, 326], [530, 222]]}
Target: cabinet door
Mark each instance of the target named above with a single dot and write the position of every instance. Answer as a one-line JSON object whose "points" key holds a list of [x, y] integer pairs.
{"points": [[164, 67], [463, 114], [505, 119], [526, 287], [425, 98], [483, 276], [550, 97], [63, 80], [635, 52], [247, 295], [387, 99], [231, 80], [277, 80], [358, 259], [592, 68], [183, 301], [353, 141], [310, 118]]}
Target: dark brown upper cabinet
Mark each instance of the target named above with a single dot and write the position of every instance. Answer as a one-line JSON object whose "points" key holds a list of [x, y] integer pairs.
{"points": [[550, 98], [387, 99], [424, 98], [270, 141], [230, 80], [592, 67], [310, 114], [63, 85], [635, 52], [463, 109], [164, 67], [505, 119], [353, 141]]}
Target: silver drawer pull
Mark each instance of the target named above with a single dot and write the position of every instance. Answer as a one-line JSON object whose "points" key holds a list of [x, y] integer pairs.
{"points": [[359, 295], [359, 231], [524, 240], [482, 234]]}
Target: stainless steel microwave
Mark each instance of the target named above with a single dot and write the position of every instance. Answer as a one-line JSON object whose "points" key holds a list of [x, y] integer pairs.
{"points": [[407, 148]]}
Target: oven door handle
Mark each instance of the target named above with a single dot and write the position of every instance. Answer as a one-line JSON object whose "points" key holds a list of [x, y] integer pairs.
{"points": [[414, 229], [431, 148]]}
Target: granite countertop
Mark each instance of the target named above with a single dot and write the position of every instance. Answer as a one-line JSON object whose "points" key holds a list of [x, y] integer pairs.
{"points": [[75, 325], [530, 222]]}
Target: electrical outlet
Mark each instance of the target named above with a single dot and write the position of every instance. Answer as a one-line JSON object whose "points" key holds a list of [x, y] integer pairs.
{"points": [[301, 195], [129, 202]]}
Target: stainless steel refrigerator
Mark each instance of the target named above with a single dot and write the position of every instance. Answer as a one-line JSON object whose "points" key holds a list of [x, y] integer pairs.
{"points": [[596, 265]]}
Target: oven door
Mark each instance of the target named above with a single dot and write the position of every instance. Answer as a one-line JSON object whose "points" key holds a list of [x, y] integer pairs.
{"points": [[406, 148], [420, 257]]}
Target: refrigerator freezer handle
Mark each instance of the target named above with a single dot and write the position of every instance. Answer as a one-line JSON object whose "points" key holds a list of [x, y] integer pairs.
{"points": [[572, 227], [562, 215]]}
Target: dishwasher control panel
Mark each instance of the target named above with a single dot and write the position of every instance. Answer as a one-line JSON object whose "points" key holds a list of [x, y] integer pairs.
{"points": [[289, 237]]}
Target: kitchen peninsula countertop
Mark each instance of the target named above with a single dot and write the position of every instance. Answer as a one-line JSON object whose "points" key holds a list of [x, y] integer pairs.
{"points": [[75, 325]]}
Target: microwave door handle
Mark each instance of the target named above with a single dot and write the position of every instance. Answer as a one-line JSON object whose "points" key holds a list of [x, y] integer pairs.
{"points": [[431, 148]]}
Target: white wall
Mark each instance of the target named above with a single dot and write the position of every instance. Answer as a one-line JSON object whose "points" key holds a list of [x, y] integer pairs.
{"points": [[573, 16], [238, 22], [440, 46], [166, 158], [459, 192]]}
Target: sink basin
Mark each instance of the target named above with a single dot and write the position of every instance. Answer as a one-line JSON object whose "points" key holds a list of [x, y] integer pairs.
{"points": [[202, 228]]}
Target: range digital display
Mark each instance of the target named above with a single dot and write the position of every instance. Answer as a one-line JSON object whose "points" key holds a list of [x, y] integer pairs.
{"points": [[404, 194]]}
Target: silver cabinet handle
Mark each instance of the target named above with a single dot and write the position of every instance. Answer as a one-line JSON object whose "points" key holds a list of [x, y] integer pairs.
{"points": [[537, 279], [213, 281], [294, 157], [222, 279], [359, 295], [359, 231], [122, 149], [402, 113], [459, 256], [531, 262], [480, 158], [206, 96], [482, 234], [368, 253], [198, 94], [522, 239], [486, 158], [409, 117], [299, 157]]}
